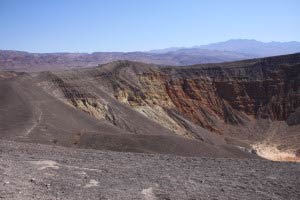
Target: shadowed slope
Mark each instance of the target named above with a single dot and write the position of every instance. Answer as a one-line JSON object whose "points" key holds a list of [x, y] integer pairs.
{"points": [[31, 114]]}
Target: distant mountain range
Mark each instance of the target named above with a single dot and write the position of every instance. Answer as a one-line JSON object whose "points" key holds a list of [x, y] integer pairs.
{"points": [[243, 46], [230, 50]]}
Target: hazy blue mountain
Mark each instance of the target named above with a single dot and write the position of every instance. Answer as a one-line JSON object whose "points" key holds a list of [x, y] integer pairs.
{"points": [[167, 50], [256, 48], [248, 48]]}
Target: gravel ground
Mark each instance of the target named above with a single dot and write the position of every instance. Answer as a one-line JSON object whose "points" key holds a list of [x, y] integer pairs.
{"points": [[32, 171]]}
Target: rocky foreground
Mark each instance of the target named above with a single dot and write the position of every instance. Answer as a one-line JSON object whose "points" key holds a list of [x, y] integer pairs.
{"points": [[33, 171]]}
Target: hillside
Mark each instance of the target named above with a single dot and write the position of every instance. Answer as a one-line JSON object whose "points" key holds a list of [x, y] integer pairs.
{"points": [[219, 110]]}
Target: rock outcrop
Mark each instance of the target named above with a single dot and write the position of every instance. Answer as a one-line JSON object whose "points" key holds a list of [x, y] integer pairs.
{"points": [[210, 95]]}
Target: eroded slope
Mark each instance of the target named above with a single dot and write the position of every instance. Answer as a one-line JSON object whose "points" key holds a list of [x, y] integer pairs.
{"points": [[45, 108], [250, 102], [131, 106]]}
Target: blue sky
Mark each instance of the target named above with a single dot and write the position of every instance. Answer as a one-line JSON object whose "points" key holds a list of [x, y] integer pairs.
{"points": [[137, 25]]}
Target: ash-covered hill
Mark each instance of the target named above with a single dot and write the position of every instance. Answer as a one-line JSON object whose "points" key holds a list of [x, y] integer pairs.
{"points": [[217, 110], [62, 110]]}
